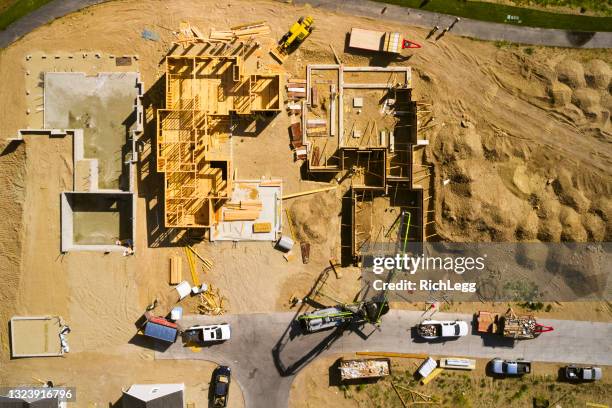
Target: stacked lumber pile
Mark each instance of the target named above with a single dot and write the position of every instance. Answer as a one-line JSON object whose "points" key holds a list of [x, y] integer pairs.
{"points": [[241, 32], [188, 33], [316, 127], [211, 302], [296, 89], [246, 210]]}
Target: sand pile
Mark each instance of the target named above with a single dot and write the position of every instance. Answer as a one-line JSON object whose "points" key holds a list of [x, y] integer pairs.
{"points": [[597, 74], [571, 72], [560, 93], [315, 218]]}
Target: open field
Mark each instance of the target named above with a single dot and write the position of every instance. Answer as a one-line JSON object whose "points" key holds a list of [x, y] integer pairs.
{"points": [[546, 176], [452, 388]]}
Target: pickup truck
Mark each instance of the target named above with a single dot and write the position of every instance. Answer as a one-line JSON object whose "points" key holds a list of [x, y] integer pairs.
{"points": [[434, 329], [516, 367], [574, 373], [208, 334]]}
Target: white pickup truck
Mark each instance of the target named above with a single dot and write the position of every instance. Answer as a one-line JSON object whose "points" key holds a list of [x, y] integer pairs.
{"points": [[434, 329], [208, 334]]}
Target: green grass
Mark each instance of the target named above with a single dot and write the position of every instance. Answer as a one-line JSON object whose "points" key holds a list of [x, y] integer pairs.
{"points": [[19, 9], [599, 6], [498, 13]]}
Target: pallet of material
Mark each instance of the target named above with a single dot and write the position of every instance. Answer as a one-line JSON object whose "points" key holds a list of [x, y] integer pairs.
{"points": [[296, 85], [312, 123], [262, 227], [296, 95], [317, 132], [245, 205], [176, 275], [241, 215], [296, 135]]}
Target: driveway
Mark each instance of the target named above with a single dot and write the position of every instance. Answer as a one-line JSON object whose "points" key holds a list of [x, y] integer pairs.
{"points": [[266, 350]]}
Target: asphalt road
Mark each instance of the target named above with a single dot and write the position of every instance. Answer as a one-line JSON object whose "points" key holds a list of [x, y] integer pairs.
{"points": [[466, 27], [266, 350]]}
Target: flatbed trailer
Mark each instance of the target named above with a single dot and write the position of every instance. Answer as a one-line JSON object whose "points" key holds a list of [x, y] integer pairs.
{"points": [[510, 325], [364, 368], [391, 42]]}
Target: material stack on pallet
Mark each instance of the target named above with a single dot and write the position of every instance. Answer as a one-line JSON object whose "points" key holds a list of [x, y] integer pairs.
{"points": [[241, 32], [247, 210]]}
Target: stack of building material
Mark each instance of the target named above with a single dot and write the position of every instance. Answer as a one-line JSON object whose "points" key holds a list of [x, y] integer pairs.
{"points": [[176, 275], [241, 32], [211, 302], [296, 89], [246, 210], [316, 127], [188, 34], [296, 135]]}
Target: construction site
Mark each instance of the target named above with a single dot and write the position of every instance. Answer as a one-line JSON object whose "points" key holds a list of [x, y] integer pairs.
{"points": [[210, 164]]}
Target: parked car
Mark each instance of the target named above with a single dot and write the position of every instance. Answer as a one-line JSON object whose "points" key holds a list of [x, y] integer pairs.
{"points": [[574, 373], [434, 329], [221, 383], [516, 367], [208, 334]]}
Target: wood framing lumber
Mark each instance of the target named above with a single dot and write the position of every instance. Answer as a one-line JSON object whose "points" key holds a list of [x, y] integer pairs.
{"points": [[270, 183], [391, 354], [399, 395], [198, 33], [241, 215], [316, 122], [431, 376], [338, 61], [176, 275], [248, 25], [262, 227], [303, 193]]}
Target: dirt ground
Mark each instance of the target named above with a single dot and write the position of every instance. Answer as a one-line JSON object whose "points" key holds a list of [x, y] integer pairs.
{"points": [[452, 388], [546, 176]]}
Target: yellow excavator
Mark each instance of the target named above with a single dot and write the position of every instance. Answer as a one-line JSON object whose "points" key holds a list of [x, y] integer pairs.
{"points": [[296, 35]]}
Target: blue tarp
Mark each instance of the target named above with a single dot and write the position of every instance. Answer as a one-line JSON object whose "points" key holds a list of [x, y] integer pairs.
{"points": [[160, 332]]}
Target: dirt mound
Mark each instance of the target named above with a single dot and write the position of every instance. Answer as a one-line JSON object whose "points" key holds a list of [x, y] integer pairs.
{"points": [[588, 101], [572, 229], [315, 216], [560, 93], [597, 74], [571, 73], [568, 194]]}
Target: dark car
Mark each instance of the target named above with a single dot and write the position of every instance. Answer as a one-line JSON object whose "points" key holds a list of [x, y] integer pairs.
{"points": [[221, 383]]}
